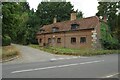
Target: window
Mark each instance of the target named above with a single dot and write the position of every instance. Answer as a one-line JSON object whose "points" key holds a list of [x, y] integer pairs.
{"points": [[40, 40], [55, 29], [83, 40], [74, 26], [49, 40], [58, 40], [73, 40]]}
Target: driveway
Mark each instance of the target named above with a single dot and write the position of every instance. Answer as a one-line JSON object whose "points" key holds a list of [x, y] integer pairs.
{"points": [[29, 54]]}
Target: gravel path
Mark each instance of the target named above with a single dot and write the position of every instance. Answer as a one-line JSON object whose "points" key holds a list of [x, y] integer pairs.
{"points": [[29, 54]]}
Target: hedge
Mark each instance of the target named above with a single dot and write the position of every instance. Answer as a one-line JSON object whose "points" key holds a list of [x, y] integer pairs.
{"points": [[6, 40]]}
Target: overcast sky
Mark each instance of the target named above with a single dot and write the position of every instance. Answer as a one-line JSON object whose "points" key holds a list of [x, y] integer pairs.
{"points": [[88, 7]]}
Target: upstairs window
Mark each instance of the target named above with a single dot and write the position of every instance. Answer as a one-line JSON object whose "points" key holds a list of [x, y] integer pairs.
{"points": [[83, 40], [74, 26], [55, 29], [73, 40]]}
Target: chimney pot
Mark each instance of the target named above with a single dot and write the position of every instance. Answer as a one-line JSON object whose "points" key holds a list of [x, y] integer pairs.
{"points": [[105, 18]]}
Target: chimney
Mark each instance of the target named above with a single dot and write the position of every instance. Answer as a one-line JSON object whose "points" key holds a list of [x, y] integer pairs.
{"points": [[73, 16], [55, 20], [105, 18]]}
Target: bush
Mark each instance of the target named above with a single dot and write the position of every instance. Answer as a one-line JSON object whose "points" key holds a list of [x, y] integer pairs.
{"points": [[110, 45], [6, 40]]}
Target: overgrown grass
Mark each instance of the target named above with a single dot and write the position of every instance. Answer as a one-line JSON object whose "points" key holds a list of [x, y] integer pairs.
{"points": [[9, 52], [76, 52]]}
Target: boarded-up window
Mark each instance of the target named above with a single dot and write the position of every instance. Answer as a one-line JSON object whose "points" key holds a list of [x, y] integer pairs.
{"points": [[73, 40], [58, 40], [83, 40]]}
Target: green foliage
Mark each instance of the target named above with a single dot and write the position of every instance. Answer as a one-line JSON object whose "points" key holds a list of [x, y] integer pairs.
{"points": [[6, 40], [108, 41], [110, 38], [79, 14], [75, 52], [109, 10], [48, 10], [21, 24], [117, 29]]}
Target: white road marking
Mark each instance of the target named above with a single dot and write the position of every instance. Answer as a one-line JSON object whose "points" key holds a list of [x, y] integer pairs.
{"points": [[51, 67], [60, 58], [75, 57], [54, 59], [111, 75], [68, 58]]}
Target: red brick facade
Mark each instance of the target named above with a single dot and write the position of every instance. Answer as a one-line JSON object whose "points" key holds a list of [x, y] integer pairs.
{"points": [[84, 33]]}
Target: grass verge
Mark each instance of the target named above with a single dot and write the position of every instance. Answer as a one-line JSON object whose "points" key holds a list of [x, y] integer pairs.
{"points": [[75, 52], [8, 52]]}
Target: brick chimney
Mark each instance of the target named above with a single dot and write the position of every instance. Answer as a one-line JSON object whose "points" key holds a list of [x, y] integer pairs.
{"points": [[105, 18], [55, 20], [73, 16]]}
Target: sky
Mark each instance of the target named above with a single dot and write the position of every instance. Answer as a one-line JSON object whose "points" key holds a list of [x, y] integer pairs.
{"points": [[88, 7]]}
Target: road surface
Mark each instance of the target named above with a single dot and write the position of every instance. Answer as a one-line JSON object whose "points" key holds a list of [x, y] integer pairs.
{"points": [[29, 54], [105, 66]]}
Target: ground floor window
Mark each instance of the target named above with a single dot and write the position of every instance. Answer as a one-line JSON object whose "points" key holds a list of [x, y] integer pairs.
{"points": [[49, 40], [58, 40], [73, 40], [40, 40], [83, 40]]}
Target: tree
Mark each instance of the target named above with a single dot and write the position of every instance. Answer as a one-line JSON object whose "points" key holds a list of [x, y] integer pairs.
{"points": [[48, 10], [79, 14], [109, 10], [15, 16]]}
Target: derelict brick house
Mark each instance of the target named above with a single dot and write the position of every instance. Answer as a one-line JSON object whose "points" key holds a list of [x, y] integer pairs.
{"points": [[83, 33]]}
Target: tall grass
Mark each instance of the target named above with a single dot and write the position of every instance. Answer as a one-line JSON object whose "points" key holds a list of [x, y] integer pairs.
{"points": [[9, 52]]}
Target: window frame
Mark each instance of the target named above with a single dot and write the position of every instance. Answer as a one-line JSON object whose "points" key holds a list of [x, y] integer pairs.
{"points": [[74, 26], [84, 39], [40, 40], [73, 40], [58, 40], [49, 40]]}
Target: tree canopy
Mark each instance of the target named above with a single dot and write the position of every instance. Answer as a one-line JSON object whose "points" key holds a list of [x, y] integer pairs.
{"points": [[110, 10], [21, 24]]}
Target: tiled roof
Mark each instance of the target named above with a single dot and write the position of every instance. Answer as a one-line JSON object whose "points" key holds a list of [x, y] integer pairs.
{"points": [[85, 23]]}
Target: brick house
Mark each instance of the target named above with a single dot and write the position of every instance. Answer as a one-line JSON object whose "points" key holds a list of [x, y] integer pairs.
{"points": [[82, 33]]}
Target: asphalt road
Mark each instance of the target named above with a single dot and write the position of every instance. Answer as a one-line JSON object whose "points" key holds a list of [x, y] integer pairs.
{"points": [[105, 66], [29, 54]]}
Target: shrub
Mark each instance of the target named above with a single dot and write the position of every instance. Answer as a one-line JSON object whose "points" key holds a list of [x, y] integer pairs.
{"points": [[6, 40]]}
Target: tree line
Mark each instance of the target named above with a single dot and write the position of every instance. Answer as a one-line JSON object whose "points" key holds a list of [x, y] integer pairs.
{"points": [[20, 23], [111, 11]]}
